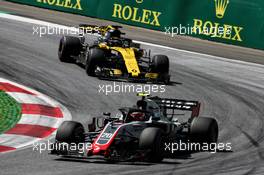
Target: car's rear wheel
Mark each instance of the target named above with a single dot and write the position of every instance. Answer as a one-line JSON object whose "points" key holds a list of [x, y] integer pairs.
{"points": [[203, 130], [151, 139], [69, 46], [70, 132], [96, 57]]}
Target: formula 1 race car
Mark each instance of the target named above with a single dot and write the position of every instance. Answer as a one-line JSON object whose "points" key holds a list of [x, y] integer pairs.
{"points": [[113, 57], [137, 133]]}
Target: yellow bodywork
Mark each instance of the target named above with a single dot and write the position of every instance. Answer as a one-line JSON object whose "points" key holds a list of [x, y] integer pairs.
{"points": [[128, 54], [117, 72], [129, 58], [152, 75]]}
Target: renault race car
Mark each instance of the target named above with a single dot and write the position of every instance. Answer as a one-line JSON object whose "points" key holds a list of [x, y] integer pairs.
{"points": [[112, 56], [137, 133]]}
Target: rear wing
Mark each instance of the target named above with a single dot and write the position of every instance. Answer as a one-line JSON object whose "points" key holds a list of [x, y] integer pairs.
{"points": [[178, 104]]}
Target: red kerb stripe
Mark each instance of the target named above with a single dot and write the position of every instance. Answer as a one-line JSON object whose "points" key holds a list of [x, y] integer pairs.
{"points": [[6, 148], [41, 110], [7, 87], [31, 130]]}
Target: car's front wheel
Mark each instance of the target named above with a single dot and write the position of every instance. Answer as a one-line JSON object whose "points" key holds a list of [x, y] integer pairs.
{"points": [[151, 139], [95, 57], [160, 64], [70, 132]]}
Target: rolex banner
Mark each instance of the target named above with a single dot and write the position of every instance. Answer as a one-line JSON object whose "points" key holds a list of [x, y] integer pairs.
{"points": [[71, 6], [238, 22]]}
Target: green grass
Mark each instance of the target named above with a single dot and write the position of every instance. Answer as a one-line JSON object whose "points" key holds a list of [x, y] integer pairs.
{"points": [[3, 12], [10, 112]]}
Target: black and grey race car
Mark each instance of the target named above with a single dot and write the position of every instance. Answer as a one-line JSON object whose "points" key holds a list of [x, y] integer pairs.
{"points": [[137, 133], [112, 56]]}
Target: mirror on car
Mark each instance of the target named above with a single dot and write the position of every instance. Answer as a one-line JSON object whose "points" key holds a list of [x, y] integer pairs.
{"points": [[108, 114], [92, 125], [97, 123], [175, 120], [100, 122]]}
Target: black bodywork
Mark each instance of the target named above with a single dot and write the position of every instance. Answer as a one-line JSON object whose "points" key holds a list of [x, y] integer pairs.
{"points": [[120, 138]]}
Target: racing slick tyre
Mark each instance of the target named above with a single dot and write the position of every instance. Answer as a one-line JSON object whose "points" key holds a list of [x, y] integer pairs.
{"points": [[160, 64], [203, 130], [70, 132], [151, 139], [94, 58], [69, 46]]}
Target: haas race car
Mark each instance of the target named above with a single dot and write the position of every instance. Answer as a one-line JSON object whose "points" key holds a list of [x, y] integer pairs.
{"points": [[112, 56], [137, 133]]}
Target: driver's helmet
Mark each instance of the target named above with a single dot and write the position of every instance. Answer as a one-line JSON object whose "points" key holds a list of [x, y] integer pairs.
{"points": [[137, 116], [112, 33], [142, 104]]}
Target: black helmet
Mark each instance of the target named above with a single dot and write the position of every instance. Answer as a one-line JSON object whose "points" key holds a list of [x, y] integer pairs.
{"points": [[113, 33], [141, 104]]}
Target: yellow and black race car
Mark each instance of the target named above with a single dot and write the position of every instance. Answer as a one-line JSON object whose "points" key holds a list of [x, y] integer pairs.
{"points": [[112, 56]]}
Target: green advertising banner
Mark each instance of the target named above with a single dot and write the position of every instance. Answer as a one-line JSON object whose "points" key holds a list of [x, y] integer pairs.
{"points": [[237, 22], [71, 6]]}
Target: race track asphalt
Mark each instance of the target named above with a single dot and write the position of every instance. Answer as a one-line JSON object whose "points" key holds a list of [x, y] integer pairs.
{"points": [[231, 91]]}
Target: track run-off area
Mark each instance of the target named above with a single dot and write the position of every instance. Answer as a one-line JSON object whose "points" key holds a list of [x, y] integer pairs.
{"points": [[230, 91]]}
